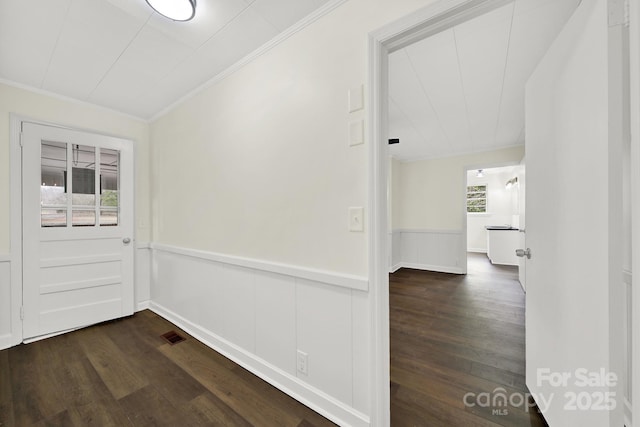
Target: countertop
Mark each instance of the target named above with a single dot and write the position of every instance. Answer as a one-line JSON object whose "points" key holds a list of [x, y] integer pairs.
{"points": [[500, 227]]}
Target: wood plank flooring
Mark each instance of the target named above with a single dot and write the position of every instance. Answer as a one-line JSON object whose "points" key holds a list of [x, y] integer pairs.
{"points": [[452, 335], [122, 373]]}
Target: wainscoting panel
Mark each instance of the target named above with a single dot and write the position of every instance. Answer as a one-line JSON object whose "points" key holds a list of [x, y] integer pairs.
{"points": [[260, 319], [239, 306], [142, 286], [396, 258], [322, 314], [5, 303], [276, 320], [434, 250]]}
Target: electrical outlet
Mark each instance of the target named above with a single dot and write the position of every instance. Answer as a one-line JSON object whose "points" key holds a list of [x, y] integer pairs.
{"points": [[303, 360]]}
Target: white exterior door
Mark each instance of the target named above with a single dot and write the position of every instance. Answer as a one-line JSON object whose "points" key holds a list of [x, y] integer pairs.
{"points": [[77, 195], [573, 218]]}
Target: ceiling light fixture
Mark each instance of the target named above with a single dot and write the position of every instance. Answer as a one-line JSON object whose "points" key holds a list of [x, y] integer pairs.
{"points": [[176, 10], [479, 174]]}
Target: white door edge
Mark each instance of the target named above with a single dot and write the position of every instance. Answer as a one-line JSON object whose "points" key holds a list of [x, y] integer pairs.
{"points": [[634, 39], [15, 219]]}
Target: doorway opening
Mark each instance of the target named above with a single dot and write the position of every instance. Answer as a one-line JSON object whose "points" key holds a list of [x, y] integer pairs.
{"points": [[470, 123], [495, 207]]}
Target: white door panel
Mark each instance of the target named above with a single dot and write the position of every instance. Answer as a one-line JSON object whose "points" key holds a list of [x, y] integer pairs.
{"points": [[77, 210], [571, 164], [522, 196]]}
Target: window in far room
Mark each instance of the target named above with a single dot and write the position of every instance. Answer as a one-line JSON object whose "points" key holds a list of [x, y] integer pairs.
{"points": [[477, 198]]}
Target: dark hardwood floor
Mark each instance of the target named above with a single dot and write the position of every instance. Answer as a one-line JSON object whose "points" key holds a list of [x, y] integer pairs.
{"points": [[122, 373], [454, 336], [451, 336]]}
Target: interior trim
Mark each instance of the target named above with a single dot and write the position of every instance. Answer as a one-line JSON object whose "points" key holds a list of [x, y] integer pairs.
{"points": [[332, 278]]}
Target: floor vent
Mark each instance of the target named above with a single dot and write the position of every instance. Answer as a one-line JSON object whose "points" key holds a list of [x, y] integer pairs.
{"points": [[172, 337]]}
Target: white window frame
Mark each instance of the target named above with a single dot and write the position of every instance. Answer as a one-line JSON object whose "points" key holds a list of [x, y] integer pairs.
{"points": [[486, 198]]}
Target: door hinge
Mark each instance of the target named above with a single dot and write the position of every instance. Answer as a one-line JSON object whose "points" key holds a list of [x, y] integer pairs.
{"points": [[22, 312]]}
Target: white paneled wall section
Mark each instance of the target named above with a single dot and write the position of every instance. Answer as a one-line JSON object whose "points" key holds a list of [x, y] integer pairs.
{"points": [[433, 250], [260, 314], [142, 283], [5, 302]]}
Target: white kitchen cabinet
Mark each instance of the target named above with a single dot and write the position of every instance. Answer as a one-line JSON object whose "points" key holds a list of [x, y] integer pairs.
{"points": [[502, 244]]}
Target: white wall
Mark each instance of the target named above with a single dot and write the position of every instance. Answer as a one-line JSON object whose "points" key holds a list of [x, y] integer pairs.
{"points": [[432, 250], [431, 190], [502, 205], [258, 166]]}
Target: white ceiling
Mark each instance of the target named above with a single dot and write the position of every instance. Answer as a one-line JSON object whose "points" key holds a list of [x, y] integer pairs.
{"points": [[121, 55], [462, 90]]}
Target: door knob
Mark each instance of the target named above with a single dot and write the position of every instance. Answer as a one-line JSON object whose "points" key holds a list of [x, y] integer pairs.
{"points": [[523, 253], [126, 240]]}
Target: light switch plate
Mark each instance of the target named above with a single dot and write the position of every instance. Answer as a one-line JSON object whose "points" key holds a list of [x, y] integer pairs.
{"points": [[356, 99], [356, 133], [303, 362], [356, 219]]}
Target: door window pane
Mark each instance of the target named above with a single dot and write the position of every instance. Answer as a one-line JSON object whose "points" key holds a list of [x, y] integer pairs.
{"points": [[83, 217], [83, 184], [109, 186], [53, 196]]}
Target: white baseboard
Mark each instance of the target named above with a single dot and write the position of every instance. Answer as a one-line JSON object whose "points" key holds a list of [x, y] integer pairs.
{"points": [[143, 305], [434, 250], [427, 267], [315, 399], [477, 250], [395, 268], [6, 341]]}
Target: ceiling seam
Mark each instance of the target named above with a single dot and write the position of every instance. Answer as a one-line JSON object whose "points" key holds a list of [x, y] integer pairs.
{"points": [[464, 92], [504, 73], [119, 56], [55, 46], [328, 7], [195, 51], [424, 91]]}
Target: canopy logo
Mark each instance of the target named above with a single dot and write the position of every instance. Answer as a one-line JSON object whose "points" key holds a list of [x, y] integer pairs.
{"points": [[581, 389]]}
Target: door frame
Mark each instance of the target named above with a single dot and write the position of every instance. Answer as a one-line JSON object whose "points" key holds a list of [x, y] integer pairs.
{"points": [[634, 76], [15, 218], [396, 35]]}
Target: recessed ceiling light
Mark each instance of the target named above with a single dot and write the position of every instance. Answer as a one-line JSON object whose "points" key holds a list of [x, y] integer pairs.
{"points": [[177, 10]]}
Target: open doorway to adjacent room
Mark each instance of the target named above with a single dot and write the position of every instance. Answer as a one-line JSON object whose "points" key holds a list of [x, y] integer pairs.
{"points": [[456, 104]]}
